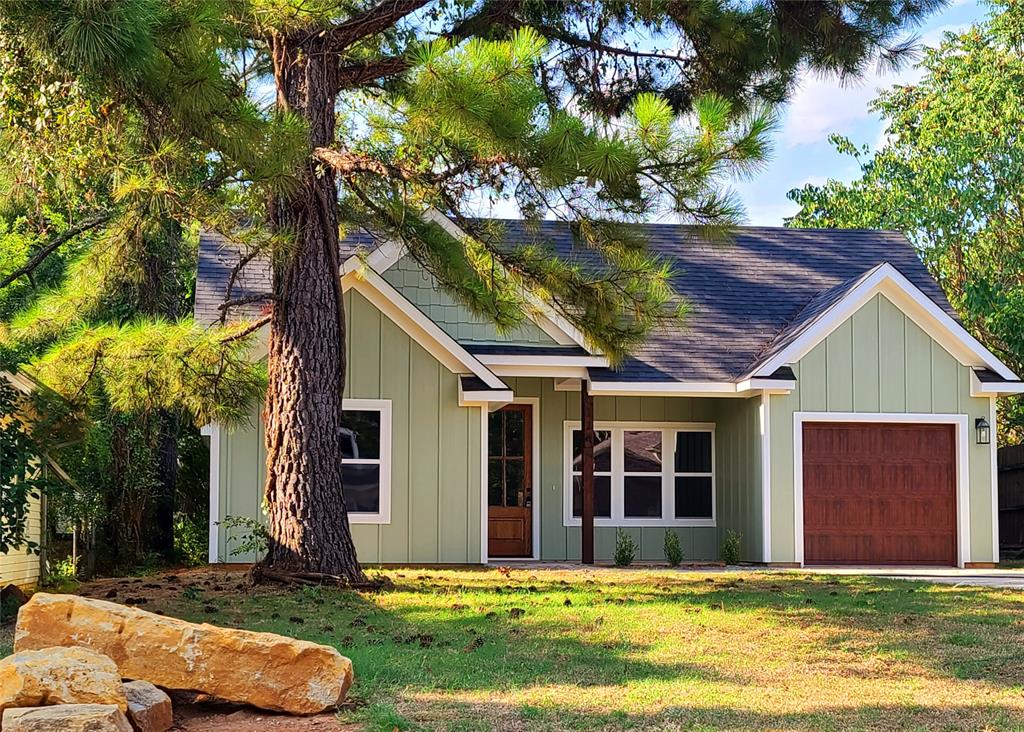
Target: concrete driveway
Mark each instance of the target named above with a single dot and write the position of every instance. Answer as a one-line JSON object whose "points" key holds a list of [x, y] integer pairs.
{"points": [[1008, 578]]}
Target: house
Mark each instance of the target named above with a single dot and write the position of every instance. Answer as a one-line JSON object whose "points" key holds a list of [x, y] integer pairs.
{"points": [[21, 566], [822, 401]]}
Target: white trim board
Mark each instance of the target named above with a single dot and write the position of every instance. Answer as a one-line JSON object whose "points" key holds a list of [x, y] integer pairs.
{"points": [[890, 282], [963, 523], [981, 388], [765, 420], [214, 432]]}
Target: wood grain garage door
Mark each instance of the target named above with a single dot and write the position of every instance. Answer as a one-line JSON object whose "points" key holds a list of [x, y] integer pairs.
{"points": [[879, 493]]}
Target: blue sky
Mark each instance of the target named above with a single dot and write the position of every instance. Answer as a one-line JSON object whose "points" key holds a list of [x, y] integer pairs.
{"points": [[822, 106]]}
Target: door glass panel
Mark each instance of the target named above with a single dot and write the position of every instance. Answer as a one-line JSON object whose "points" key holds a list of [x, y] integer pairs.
{"points": [[693, 452], [494, 482], [602, 496], [641, 451], [693, 497], [514, 433], [362, 487], [515, 481], [642, 496], [360, 434], [495, 438], [602, 451]]}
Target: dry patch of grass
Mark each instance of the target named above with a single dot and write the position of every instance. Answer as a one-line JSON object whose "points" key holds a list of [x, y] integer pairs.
{"points": [[643, 649]]}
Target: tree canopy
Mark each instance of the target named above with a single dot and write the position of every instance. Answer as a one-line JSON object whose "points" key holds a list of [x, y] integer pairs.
{"points": [[951, 177]]}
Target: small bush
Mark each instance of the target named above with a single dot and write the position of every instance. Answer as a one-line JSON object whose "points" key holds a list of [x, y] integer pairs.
{"points": [[731, 548], [625, 549], [249, 535], [673, 549]]}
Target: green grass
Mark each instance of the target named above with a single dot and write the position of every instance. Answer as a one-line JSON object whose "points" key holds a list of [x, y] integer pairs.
{"points": [[647, 649]]}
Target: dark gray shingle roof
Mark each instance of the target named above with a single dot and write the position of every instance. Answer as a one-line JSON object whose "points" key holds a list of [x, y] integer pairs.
{"points": [[746, 297]]}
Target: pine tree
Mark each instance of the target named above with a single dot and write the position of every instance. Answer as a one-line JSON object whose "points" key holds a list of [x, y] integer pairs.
{"points": [[599, 112]]}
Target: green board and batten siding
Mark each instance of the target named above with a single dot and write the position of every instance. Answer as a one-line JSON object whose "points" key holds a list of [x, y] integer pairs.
{"points": [[435, 468], [879, 360]]}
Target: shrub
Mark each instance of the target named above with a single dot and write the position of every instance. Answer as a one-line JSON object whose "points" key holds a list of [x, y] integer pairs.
{"points": [[625, 549], [248, 534], [731, 548], [673, 549]]}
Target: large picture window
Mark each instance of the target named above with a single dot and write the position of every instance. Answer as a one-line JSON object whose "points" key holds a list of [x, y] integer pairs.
{"points": [[366, 460], [644, 474]]}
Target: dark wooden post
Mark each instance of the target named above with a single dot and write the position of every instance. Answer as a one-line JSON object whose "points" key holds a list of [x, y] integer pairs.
{"points": [[587, 424]]}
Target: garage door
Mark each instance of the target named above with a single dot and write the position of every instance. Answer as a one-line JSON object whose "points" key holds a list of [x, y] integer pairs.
{"points": [[879, 493]]}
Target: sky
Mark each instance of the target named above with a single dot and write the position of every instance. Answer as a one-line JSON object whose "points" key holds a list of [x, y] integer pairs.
{"points": [[822, 106]]}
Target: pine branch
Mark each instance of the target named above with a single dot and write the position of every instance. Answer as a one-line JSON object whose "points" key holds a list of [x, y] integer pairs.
{"points": [[248, 330], [347, 163], [370, 22], [56, 243], [352, 76]]}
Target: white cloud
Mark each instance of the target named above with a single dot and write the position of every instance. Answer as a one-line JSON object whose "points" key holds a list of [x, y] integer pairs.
{"points": [[822, 105]]}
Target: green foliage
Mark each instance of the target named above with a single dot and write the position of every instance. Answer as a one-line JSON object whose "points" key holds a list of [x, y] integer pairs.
{"points": [[732, 547], [673, 549], [625, 549], [951, 177], [248, 535], [62, 574], [20, 479]]}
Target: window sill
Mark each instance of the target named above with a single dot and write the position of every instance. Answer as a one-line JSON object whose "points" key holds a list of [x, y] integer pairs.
{"points": [[368, 518]]}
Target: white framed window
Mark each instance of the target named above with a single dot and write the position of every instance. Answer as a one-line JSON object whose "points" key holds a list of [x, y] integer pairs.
{"points": [[366, 460], [645, 474]]}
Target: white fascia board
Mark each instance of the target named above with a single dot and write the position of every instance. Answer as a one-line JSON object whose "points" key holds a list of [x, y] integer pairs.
{"points": [[480, 398], [775, 386], [890, 282], [525, 359], [381, 259], [541, 371], [418, 326], [981, 388], [664, 388]]}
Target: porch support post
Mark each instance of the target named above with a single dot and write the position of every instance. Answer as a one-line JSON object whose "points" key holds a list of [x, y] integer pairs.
{"points": [[587, 424]]}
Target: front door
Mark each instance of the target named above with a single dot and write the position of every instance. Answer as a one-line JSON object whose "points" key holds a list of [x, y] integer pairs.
{"points": [[510, 482]]}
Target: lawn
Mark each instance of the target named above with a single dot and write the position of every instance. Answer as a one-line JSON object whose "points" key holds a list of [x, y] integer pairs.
{"points": [[642, 649]]}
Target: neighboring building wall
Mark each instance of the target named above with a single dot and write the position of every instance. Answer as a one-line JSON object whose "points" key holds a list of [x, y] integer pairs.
{"points": [[422, 290], [435, 468], [19, 566], [737, 439], [879, 361], [738, 448]]}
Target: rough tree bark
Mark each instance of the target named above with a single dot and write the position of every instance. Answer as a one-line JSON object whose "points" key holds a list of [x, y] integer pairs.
{"points": [[308, 521]]}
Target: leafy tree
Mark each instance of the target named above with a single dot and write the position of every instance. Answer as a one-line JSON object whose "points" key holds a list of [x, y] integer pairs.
{"points": [[598, 112], [951, 177]]}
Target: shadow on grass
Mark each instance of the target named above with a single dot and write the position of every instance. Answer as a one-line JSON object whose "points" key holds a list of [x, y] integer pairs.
{"points": [[418, 715], [463, 632]]}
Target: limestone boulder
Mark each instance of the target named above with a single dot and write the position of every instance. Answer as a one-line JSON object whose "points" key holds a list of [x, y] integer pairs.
{"points": [[67, 718], [37, 678], [149, 708], [261, 669]]}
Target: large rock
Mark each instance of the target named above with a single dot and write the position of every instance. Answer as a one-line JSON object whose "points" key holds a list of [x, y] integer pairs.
{"points": [[59, 676], [149, 708], [68, 718], [264, 670]]}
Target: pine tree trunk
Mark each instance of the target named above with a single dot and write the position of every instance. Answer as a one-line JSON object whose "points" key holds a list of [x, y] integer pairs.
{"points": [[308, 522]]}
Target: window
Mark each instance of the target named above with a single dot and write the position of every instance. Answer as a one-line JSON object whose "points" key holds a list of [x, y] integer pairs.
{"points": [[644, 474], [366, 460]]}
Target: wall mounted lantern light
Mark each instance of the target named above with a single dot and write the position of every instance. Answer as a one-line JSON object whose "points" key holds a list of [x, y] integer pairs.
{"points": [[983, 430]]}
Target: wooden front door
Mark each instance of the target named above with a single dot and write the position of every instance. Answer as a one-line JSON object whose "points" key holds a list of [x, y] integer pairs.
{"points": [[510, 482], [879, 493]]}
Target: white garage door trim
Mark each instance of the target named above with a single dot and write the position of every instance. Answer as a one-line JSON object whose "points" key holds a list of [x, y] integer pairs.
{"points": [[963, 524]]}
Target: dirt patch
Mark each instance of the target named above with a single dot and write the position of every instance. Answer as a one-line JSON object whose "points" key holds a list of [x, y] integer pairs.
{"points": [[158, 589], [191, 715]]}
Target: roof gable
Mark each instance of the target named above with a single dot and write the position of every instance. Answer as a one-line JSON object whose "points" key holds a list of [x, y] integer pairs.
{"points": [[832, 308]]}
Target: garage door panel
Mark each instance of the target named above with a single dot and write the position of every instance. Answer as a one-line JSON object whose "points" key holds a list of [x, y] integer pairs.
{"points": [[879, 493]]}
